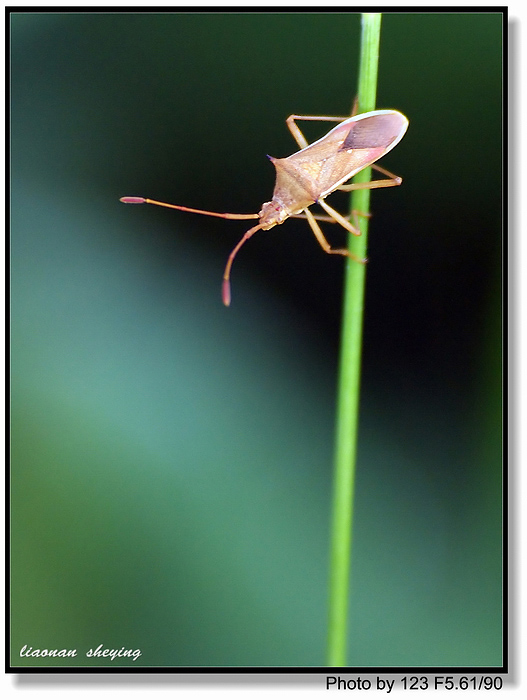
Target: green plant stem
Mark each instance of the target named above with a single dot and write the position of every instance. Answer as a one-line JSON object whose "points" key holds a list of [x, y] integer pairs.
{"points": [[349, 374]]}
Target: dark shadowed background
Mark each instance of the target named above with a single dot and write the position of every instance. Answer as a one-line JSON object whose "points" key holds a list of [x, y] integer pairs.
{"points": [[172, 459]]}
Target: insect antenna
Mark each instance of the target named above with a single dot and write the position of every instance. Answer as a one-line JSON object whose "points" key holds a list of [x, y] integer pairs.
{"points": [[144, 200], [226, 287]]}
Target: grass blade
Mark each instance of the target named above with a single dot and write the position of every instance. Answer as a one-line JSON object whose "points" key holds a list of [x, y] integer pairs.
{"points": [[349, 375]]}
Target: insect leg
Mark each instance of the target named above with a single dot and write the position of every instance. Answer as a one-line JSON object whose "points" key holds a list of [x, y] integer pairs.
{"points": [[319, 217], [295, 130], [339, 218], [394, 181], [323, 242], [331, 220]]}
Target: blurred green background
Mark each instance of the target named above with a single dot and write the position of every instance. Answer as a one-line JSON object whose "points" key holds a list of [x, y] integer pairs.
{"points": [[171, 458]]}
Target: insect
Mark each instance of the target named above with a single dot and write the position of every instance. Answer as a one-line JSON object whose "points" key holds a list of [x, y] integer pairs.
{"points": [[311, 174]]}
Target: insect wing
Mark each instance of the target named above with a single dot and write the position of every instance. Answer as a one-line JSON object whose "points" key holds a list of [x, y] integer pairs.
{"points": [[381, 129], [345, 150]]}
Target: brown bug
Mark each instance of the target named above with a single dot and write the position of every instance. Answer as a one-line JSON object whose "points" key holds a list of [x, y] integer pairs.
{"points": [[311, 174]]}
